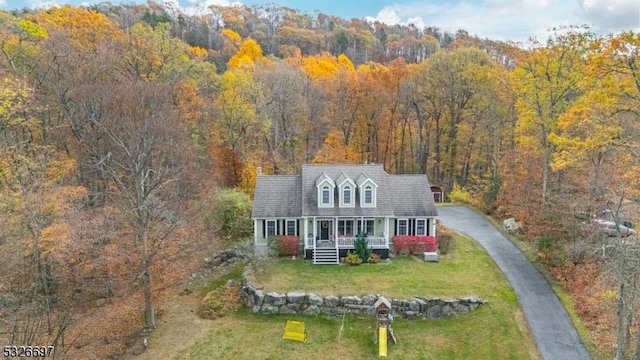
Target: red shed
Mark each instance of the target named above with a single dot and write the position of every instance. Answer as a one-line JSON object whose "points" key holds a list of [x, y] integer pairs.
{"points": [[438, 194]]}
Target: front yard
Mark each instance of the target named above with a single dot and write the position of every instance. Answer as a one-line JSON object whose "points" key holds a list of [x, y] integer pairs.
{"points": [[469, 271], [496, 330]]}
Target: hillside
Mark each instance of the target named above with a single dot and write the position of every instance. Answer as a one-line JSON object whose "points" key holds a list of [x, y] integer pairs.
{"points": [[119, 124]]}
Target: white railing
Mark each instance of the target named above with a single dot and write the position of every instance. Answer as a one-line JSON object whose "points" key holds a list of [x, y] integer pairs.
{"points": [[310, 242], [374, 242]]}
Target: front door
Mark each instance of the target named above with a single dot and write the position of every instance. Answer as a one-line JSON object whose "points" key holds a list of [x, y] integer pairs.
{"points": [[324, 225]]}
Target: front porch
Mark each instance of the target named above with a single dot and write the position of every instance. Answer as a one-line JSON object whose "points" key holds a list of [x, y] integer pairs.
{"points": [[332, 237], [330, 251], [346, 243], [335, 236]]}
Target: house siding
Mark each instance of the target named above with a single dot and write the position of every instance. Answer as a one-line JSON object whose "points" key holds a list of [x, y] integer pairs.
{"points": [[281, 228], [259, 224]]}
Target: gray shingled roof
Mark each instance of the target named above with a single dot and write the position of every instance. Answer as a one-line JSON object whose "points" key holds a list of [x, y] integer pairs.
{"points": [[277, 196], [324, 177], [297, 195], [411, 195], [362, 178], [342, 178]]}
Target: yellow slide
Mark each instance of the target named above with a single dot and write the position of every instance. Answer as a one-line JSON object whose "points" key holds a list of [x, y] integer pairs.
{"points": [[382, 342]]}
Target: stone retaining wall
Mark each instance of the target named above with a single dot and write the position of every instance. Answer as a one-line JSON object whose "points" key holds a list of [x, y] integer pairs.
{"points": [[310, 304]]}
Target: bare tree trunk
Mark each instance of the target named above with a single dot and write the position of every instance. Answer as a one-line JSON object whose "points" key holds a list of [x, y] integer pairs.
{"points": [[149, 315], [620, 328]]}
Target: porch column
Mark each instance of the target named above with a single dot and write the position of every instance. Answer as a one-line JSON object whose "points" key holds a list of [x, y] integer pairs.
{"points": [[315, 236], [306, 231], [335, 229], [386, 230], [433, 226]]}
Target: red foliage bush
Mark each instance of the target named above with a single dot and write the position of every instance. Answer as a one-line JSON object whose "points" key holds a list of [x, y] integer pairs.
{"points": [[284, 245], [290, 245], [414, 244]]}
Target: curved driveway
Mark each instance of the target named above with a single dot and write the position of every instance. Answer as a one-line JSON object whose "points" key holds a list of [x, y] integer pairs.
{"points": [[552, 328]]}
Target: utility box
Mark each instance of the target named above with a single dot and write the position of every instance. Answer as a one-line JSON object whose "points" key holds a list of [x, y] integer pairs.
{"points": [[431, 257]]}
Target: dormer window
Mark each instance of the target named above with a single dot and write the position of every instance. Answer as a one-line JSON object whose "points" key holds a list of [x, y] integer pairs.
{"points": [[326, 188], [367, 189], [368, 195], [346, 195], [326, 196], [347, 190]]}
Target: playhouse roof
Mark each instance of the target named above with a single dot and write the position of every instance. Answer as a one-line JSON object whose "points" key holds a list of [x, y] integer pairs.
{"points": [[382, 301]]}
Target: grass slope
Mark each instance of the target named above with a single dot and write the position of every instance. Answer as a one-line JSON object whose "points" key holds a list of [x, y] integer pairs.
{"points": [[470, 271]]}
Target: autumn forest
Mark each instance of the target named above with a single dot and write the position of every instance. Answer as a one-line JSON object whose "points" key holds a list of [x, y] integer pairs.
{"points": [[119, 123]]}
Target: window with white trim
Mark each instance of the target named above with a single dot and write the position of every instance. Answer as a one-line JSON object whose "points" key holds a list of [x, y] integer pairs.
{"points": [[368, 195], [272, 228], [347, 199], [326, 196], [421, 227], [345, 227], [403, 227], [367, 227], [291, 227]]}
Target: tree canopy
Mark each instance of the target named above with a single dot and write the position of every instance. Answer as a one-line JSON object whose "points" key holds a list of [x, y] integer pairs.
{"points": [[115, 121]]}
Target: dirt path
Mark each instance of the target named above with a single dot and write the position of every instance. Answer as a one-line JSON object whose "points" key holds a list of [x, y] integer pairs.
{"points": [[177, 329]]}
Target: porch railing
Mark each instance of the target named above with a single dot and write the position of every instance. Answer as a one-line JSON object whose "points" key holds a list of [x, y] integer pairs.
{"points": [[374, 242]]}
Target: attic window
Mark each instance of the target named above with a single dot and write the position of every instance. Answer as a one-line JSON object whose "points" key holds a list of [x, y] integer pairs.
{"points": [[346, 200], [367, 190], [346, 190], [326, 195], [368, 195]]}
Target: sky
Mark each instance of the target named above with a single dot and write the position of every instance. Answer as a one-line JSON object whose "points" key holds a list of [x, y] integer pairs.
{"points": [[506, 20]]}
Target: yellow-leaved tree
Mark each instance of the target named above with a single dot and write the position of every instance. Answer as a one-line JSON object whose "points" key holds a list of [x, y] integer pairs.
{"points": [[248, 56], [599, 134], [334, 151], [547, 82]]}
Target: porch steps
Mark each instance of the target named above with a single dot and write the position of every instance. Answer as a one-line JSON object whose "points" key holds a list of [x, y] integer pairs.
{"points": [[326, 256]]}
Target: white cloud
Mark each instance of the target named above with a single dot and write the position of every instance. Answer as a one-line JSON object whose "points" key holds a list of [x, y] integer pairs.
{"points": [[515, 20], [612, 15], [207, 3], [42, 4], [387, 15], [201, 7]]}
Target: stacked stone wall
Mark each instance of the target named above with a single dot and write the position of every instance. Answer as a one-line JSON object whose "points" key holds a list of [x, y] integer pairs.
{"points": [[311, 304]]}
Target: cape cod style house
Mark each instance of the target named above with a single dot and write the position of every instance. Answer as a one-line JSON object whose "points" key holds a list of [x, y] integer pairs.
{"points": [[326, 206]]}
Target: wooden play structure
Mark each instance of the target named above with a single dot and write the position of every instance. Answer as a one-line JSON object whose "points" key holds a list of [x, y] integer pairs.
{"points": [[384, 332], [295, 330]]}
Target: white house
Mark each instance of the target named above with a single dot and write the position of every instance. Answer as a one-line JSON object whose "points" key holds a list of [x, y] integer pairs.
{"points": [[328, 205]]}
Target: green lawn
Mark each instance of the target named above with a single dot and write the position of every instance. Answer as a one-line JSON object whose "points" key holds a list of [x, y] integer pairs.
{"points": [[496, 330], [470, 271]]}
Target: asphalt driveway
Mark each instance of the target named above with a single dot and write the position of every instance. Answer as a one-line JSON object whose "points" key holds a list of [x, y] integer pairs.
{"points": [[552, 328]]}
